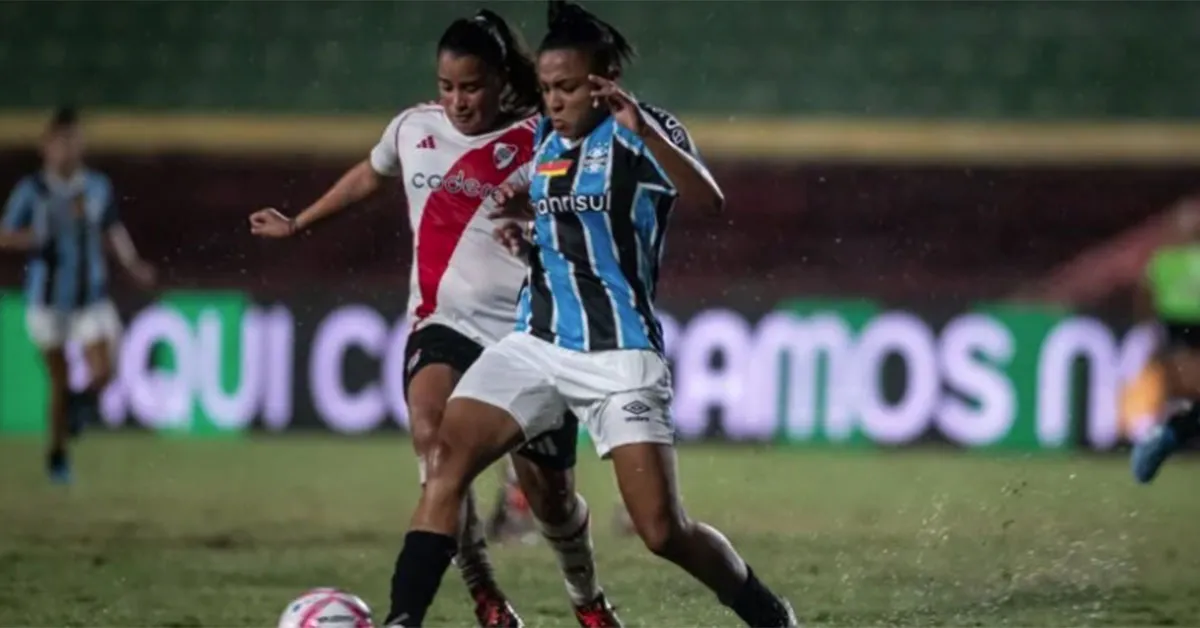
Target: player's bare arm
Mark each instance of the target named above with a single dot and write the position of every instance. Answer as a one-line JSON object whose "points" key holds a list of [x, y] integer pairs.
{"points": [[21, 240], [359, 183], [127, 255], [693, 182]]}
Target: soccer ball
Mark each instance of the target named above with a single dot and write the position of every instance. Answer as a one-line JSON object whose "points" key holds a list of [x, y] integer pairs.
{"points": [[326, 608]]}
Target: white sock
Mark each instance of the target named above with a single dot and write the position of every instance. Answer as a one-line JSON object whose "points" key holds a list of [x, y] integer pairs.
{"points": [[572, 545]]}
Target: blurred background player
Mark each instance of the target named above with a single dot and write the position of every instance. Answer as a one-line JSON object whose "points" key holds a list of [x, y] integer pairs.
{"points": [[1170, 294], [464, 287], [63, 218], [603, 181]]}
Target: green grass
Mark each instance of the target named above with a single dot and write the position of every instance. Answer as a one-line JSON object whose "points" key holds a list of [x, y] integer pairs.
{"points": [[175, 533]]}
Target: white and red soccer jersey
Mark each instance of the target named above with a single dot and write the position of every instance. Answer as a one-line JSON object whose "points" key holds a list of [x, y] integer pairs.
{"points": [[461, 277]]}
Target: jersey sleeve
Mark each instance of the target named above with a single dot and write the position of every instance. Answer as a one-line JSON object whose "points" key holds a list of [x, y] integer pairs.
{"points": [[668, 126], [18, 211], [385, 158], [671, 128]]}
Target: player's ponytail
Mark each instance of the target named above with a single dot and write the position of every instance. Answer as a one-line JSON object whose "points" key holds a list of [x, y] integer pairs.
{"points": [[487, 36], [523, 93], [571, 26]]}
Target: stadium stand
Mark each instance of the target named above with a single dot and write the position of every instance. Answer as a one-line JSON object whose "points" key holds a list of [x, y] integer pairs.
{"points": [[947, 59]]}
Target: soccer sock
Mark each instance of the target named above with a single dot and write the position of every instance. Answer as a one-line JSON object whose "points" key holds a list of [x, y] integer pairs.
{"points": [[419, 569], [572, 545], [472, 559], [757, 605], [56, 459]]}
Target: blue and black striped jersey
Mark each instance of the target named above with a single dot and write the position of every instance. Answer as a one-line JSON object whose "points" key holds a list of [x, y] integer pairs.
{"points": [[69, 219], [601, 208]]}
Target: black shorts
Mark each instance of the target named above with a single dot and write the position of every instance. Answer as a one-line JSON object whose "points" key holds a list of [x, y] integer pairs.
{"points": [[1181, 336], [438, 344]]}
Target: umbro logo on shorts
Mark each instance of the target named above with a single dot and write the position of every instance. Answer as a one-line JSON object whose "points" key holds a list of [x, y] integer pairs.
{"points": [[636, 407]]}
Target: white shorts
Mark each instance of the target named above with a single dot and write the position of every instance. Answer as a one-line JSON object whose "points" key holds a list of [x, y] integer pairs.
{"points": [[622, 396], [50, 328]]}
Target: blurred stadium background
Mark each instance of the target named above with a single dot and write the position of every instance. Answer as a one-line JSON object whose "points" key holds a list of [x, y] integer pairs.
{"points": [[937, 212]]}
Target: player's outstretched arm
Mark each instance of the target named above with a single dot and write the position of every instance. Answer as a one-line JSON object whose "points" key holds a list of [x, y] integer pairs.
{"points": [[127, 254], [692, 180], [18, 240], [358, 183]]}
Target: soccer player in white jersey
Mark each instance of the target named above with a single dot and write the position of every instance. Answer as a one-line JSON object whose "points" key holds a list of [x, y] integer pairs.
{"points": [[64, 218], [452, 156], [605, 176]]}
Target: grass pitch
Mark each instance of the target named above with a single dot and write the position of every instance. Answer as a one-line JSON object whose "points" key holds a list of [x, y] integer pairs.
{"points": [[160, 532]]}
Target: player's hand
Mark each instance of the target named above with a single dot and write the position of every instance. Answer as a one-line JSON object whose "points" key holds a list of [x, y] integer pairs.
{"points": [[511, 235], [512, 203], [269, 223], [622, 106], [144, 274]]}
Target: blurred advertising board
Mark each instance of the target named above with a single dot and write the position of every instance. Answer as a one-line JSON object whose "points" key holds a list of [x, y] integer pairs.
{"points": [[838, 372]]}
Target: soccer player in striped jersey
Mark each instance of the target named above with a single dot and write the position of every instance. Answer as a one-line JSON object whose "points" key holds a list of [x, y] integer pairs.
{"points": [[65, 218], [606, 173], [464, 285]]}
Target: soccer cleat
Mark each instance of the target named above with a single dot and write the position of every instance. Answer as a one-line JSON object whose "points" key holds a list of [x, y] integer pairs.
{"points": [[1150, 453], [597, 614], [492, 610], [792, 620], [58, 467]]}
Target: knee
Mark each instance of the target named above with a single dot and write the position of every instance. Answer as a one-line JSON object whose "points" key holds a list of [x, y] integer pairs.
{"points": [[423, 423], [663, 532], [448, 471]]}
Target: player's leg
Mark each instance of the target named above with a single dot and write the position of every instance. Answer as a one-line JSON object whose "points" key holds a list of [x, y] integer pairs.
{"points": [[1181, 364], [47, 330], [58, 463], [436, 358], [545, 467], [98, 329], [633, 428], [510, 518], [503, 396], [647, 479]]}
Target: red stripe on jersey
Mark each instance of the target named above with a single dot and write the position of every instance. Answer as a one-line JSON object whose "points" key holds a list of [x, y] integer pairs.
{"points": [[447, 212]]}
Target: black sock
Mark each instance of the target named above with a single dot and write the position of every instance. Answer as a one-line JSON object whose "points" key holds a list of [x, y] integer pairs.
{"points": [[83, 407], [84, 398], [1186, 423], [419, 569], [56, 458], [758, 606]]}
